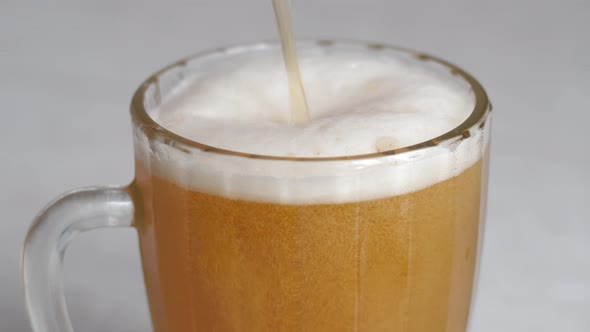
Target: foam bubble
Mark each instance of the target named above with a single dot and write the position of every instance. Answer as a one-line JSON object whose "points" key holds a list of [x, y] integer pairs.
{"points": [[360, 102]]}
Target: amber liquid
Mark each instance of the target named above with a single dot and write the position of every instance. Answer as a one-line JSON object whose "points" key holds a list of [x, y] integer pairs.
{"points": [[403, 264]]}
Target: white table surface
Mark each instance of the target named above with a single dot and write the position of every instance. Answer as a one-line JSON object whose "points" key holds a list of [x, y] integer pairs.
{"points": [[68, 70]]}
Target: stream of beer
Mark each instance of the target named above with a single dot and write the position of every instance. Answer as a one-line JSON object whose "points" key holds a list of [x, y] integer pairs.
{"points": [[299, 106]]}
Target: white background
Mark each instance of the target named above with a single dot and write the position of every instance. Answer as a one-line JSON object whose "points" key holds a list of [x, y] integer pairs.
{"points": [[69, 67]]}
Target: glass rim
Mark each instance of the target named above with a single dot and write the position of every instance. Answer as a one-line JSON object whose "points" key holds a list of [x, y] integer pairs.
{"points": [[476, 119]]}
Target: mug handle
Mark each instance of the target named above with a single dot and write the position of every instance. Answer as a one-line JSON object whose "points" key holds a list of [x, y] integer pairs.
{"points": [[49, 235]]}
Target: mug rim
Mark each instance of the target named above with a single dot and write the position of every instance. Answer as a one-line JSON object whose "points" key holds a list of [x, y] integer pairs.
{"points": [[476, 120]]}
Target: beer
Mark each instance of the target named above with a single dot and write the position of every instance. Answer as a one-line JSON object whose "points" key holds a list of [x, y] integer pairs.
{"points": [[299, 107], [272, 226]]}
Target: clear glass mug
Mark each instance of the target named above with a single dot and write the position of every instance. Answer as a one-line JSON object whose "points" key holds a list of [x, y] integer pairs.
{"points": [[331, 260]]}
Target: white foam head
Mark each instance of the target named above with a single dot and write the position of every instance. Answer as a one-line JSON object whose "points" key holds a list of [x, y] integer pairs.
{"points": [[361, 102]]}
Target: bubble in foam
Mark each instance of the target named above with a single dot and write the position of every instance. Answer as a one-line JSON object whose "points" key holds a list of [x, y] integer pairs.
{"points": [[385, 143]]}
